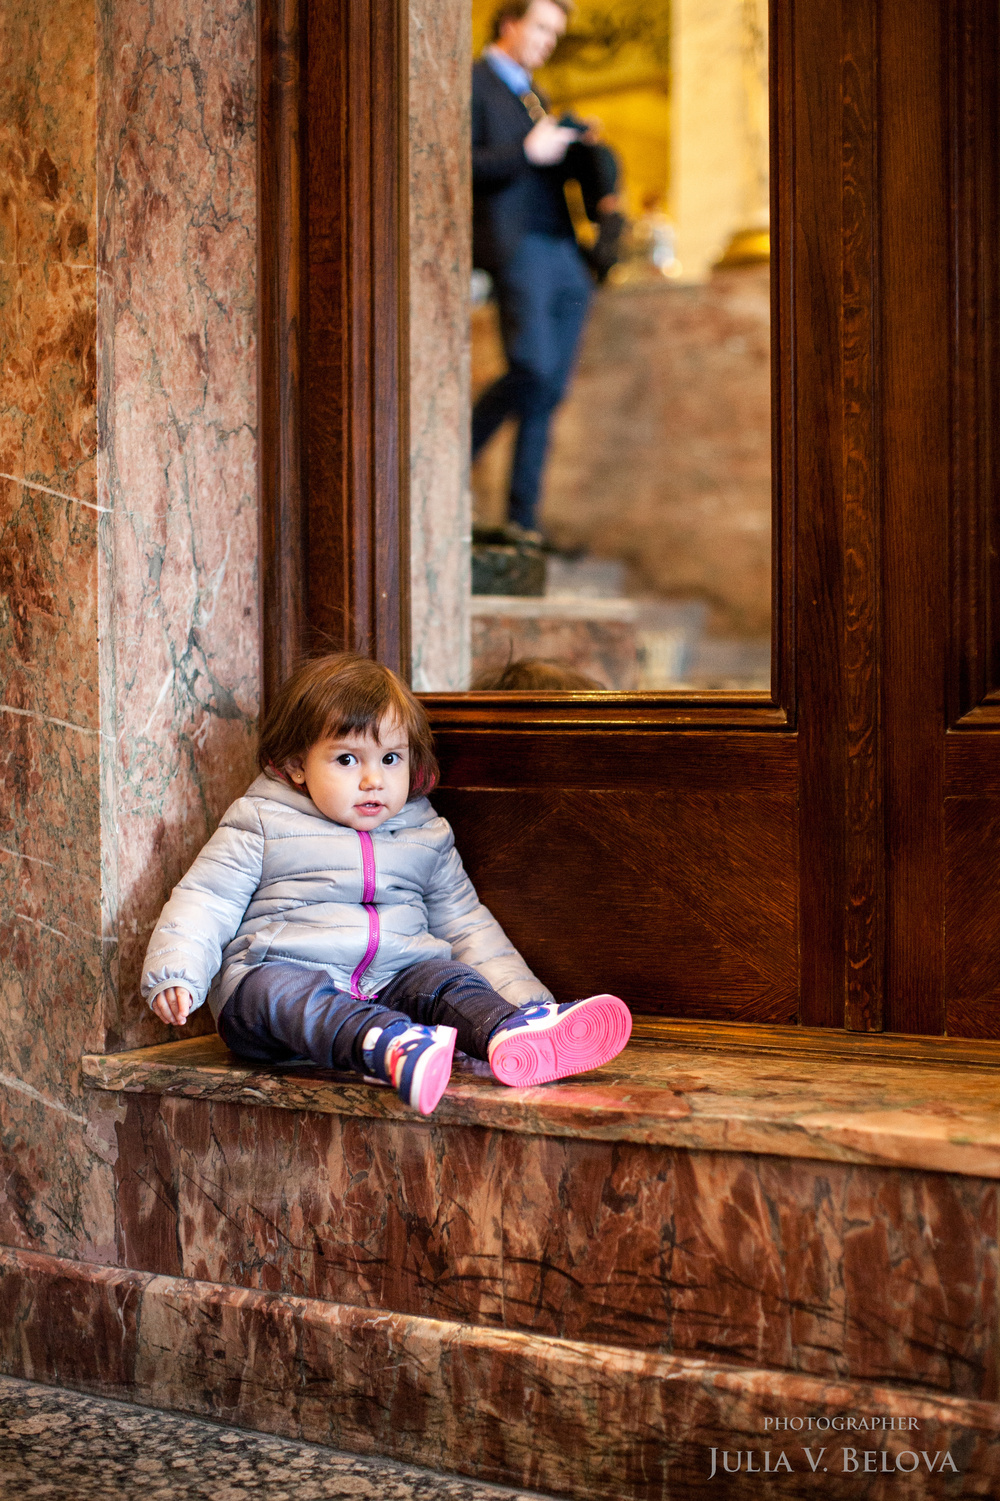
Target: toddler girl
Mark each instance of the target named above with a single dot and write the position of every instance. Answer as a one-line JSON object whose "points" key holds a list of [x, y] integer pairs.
{"points": [[329, 918]]}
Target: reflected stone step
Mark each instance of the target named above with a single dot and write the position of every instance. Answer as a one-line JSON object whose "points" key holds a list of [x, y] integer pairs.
{"points": [[503, 568]]}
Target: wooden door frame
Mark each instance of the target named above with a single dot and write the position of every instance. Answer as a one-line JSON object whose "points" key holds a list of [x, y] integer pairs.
{"points": [[332, 336], [874, 428]]}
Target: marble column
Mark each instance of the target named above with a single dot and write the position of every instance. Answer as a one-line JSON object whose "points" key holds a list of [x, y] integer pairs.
{"points": [[55, 1178], [128, 600], [177, 458]]}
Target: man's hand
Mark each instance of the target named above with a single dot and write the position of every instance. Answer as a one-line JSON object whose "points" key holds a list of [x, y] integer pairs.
{"points": [[547, 142], [173, 1006]]}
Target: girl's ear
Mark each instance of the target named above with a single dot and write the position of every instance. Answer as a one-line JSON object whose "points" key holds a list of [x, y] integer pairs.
{"points": [[295, 771]]}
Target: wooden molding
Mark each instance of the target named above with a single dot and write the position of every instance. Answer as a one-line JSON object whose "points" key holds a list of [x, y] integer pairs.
{"points": [[279, 327], [974, 107], [333, 318], [625, 711], [864, 845]]}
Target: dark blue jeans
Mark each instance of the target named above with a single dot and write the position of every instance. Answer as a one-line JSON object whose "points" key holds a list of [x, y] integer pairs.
{"points": [[282, 1012], [544, 294]]}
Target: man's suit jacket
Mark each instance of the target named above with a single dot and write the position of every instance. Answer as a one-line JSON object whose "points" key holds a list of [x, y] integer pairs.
{"points": [[509, 195]]}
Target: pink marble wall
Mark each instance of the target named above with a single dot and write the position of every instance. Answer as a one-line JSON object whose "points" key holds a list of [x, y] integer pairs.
{"points": [[128, 611], [55, 1180], [178, 562]]}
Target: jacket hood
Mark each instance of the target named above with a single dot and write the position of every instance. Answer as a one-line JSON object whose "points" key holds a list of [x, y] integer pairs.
{"points": [[414, 813]]}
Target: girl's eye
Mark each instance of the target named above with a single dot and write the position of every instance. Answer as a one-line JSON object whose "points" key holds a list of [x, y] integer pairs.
{"points": [[390, 758], [346, 759]]}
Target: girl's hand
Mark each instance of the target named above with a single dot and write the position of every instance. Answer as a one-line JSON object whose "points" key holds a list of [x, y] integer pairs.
{"points": [[173, 1006]]}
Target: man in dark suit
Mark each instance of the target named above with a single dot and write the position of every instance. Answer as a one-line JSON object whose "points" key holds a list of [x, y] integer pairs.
{"points": [[523, 236]]}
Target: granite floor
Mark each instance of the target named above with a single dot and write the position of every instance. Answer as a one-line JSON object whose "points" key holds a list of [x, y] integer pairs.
{"points": [[63, 1446]]}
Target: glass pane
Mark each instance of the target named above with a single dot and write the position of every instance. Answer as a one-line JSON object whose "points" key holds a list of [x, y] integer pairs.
{"points": [[620, 348]]}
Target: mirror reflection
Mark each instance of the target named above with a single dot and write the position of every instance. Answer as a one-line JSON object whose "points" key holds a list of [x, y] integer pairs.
{"points": [[620, 345]]}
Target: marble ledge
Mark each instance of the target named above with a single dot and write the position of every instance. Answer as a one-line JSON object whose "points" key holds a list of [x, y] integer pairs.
{"points": [[907, 1106], [565, 1417]]}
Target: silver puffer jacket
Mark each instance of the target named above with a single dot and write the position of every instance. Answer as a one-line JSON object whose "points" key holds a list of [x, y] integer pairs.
{"points": [[277, 880]]}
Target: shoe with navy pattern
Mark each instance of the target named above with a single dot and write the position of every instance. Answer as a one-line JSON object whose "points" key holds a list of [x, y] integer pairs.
{"points": [[416, 1061]]}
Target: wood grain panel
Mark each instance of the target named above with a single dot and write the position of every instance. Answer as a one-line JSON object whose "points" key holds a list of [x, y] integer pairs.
{"points": [[813, 81], [279, 304], [612, 760], [862, 667], [972, 953], [974, 667], [782, 64], [971, 752], [914, 343], [333, 329], [377, 291], [682, 903], [971, 764], [624, 711], [333, 402]]}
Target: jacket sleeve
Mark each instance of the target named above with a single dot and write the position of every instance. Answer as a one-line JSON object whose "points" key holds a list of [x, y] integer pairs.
{"points": [[494, 166], [206, 907], [494, 163], [456, 914]]}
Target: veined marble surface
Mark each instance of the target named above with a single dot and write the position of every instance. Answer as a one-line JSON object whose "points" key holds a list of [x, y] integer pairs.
{"points": [[67, 1446], [128, 540], [939, 1116], [766, 1210], [555, 1415], [56, 1183], [176, 164]]}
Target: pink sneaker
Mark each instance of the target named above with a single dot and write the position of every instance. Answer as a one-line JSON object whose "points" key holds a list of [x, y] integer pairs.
{"points": [[417, 1063], [551, 1041]]}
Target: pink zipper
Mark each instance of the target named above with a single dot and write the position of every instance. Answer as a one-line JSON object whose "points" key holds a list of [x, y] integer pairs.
{"points": [[367, 901]]}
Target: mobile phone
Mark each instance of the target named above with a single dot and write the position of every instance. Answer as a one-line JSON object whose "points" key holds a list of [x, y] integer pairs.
{"points": [[573, 122]]}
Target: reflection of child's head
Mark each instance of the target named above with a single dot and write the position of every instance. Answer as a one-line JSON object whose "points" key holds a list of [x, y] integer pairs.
{"points": [[535, 672], [344, 694]]}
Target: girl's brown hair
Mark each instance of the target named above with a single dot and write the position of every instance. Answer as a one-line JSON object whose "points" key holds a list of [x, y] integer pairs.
{"points": [[344, 694]]}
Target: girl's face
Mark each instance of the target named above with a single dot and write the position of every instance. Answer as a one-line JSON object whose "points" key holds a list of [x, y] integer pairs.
{"points": [[356, 780]]}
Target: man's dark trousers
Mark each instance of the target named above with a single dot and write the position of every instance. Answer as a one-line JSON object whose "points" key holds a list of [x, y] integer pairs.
{"points": [[543, 293]]}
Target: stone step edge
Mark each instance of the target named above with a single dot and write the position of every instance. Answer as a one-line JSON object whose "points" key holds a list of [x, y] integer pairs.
{"points": [[560, 1416], [731, 1119]]}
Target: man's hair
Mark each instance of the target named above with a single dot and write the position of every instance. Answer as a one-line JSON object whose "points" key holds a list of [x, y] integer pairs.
{"points": [[516, 10], [344, 694]]}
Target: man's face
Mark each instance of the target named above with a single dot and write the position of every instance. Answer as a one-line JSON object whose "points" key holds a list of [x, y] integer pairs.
{"points": [[531, 40]]}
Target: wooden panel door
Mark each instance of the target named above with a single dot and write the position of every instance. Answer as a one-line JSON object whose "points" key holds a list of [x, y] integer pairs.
{"points": [[965, 946], [784, 857]]}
